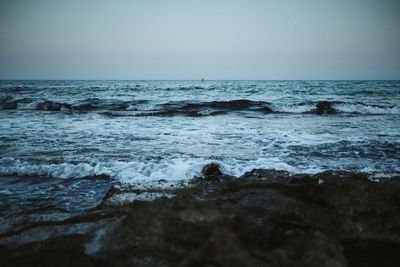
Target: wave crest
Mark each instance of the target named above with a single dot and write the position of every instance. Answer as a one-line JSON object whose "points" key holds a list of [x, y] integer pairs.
{"points": [[134, 171], [142, 108]]}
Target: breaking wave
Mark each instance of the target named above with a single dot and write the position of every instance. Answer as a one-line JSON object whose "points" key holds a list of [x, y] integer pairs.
{"points": [[140, 108], [335, 107], [223, 107], [139, 171], [178, 169], [90, 104]]}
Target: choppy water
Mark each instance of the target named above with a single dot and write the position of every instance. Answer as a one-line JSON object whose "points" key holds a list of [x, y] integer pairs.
{"points": [[96, 133]]}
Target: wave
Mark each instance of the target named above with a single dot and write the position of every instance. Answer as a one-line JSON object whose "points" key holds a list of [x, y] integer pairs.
{"points": [[223, 107], [210, 108], [201, 109], [90, 104], [140, 108], [53, 106], [176, 169], [336, 107], [360, 108], [9, 166]]}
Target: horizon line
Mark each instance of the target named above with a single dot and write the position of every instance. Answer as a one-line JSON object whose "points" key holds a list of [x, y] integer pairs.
{"points": [[68, 79]]}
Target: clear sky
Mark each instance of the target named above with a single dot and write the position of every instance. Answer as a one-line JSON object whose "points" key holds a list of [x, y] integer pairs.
{"points": [[214, 39]]}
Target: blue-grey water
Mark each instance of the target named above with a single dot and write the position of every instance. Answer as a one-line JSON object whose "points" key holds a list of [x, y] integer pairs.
{"points": [[63, 143]]}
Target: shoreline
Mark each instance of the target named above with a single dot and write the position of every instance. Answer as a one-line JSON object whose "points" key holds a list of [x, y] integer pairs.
{"points": [[263, 218]]}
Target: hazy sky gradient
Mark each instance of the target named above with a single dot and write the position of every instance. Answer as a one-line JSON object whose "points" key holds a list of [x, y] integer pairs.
{"points": [[237, 39]]}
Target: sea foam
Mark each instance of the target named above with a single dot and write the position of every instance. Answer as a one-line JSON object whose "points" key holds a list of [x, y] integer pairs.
{"points": [[138, 171]]}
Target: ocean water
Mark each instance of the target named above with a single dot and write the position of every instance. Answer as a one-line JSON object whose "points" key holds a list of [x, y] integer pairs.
{"points": [[64, 143]]}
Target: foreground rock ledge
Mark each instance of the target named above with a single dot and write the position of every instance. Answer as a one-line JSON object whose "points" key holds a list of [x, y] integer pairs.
{"points": [[264, 218]]}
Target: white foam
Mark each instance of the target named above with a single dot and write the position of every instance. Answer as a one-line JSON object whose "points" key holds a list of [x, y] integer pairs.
{"points": [[293, 108], [142, 171], [365, 109], [124, 198], [27, 106], [9, 166], [344, 107]]}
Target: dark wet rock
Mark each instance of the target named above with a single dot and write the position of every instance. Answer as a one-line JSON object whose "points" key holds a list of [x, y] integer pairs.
{"points": [[12, 105], [324, 107], [63, 251], [211, 171], [264, 218], [266, 174]]}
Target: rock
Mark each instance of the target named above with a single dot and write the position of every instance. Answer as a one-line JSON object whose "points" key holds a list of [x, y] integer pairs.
{"points": [[325, 107], [266, 174], [211, 171], [265, 218]]}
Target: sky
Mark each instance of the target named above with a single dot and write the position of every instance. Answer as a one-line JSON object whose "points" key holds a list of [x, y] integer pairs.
{"points": [[219, 39]]}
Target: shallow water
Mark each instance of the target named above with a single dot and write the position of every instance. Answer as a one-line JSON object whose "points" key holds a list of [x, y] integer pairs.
{"points": [[143, 131]]}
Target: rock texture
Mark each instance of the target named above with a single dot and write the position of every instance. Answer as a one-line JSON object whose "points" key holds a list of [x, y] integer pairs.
{"points": [[264, 218]]}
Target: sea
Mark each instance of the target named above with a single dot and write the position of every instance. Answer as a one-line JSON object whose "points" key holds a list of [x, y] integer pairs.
{"points": [[65, 143]]}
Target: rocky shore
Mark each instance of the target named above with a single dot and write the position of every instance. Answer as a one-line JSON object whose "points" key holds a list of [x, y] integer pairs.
{"points": [[264, 218]]}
